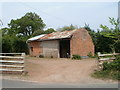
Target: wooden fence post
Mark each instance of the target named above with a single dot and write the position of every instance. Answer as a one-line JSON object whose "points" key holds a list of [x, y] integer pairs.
{"points": [[102, 58]]}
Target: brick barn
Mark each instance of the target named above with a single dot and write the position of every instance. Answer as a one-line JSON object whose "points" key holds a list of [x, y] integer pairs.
{"points": [[61, 44]]}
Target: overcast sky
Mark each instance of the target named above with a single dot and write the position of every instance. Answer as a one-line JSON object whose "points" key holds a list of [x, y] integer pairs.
{"points": [[59, 14]]}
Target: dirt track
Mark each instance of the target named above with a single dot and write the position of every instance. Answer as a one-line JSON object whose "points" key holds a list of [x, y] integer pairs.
{"points": [[62, 71]]}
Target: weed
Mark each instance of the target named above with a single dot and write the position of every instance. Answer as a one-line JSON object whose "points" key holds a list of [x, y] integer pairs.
{"points": [[77, 57]]}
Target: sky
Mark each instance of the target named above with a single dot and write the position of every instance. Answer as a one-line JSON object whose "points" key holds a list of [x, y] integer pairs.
{"points": [[59, 14]]}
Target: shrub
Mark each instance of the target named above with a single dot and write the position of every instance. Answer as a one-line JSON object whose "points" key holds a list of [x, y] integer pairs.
{"points": [[105, 66], [118, 57], [114, 65], [77, 57], [110, 70], [101, 74], [106, 74], [41, 56], [116, 75], [89, 55]]}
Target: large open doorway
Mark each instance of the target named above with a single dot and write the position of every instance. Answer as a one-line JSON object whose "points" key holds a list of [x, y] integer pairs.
{"points": [[64, 48]]}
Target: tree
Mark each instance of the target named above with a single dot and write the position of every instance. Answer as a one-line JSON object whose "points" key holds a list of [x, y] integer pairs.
{"points": [[91, 32], [26, 25], [66, 28], [101, 43], [11, 43], [15, 36], [37, 32], [112, 33], [6, 44], [49, 30], [5, 31]]}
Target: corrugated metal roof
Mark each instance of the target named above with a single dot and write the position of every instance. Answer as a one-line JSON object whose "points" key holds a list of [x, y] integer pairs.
{"points": [[54, 35], [58, 35], [36, 37]]}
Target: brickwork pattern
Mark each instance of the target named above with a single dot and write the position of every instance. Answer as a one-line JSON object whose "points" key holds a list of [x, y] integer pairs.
{"points": [[81, 43], [37, 49]]}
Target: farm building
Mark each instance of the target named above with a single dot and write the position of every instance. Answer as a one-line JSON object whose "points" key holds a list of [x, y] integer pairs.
{"points": [[61, 44]]}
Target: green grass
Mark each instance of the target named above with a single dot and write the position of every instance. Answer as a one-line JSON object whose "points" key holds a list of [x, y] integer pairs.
{"points": [[115, 75]]}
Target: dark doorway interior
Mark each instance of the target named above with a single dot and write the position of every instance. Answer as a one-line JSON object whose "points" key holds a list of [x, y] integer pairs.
{"points": [[64, 48]]}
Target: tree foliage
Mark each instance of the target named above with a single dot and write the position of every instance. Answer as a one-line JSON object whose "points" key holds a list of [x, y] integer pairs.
{"points": [[13, 43], [112, 33], [49, 30], [102, 44], [101, 39], [91, 32], [39, 32], [15, 36], [66, 28], [26, 25]]}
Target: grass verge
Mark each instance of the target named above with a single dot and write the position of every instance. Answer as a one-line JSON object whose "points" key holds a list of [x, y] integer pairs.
{"points": [[114, 75]]}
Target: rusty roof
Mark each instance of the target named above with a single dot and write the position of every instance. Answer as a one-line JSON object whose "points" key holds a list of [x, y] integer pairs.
{"points": [[54, 35], [58, 35]]}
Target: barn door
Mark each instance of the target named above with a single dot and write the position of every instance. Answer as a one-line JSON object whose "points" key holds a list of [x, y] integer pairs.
{"points": [[64, 48]]}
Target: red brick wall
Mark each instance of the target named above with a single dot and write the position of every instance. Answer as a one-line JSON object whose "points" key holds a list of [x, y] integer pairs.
{"points": [[81, 43], [36, 48]]}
